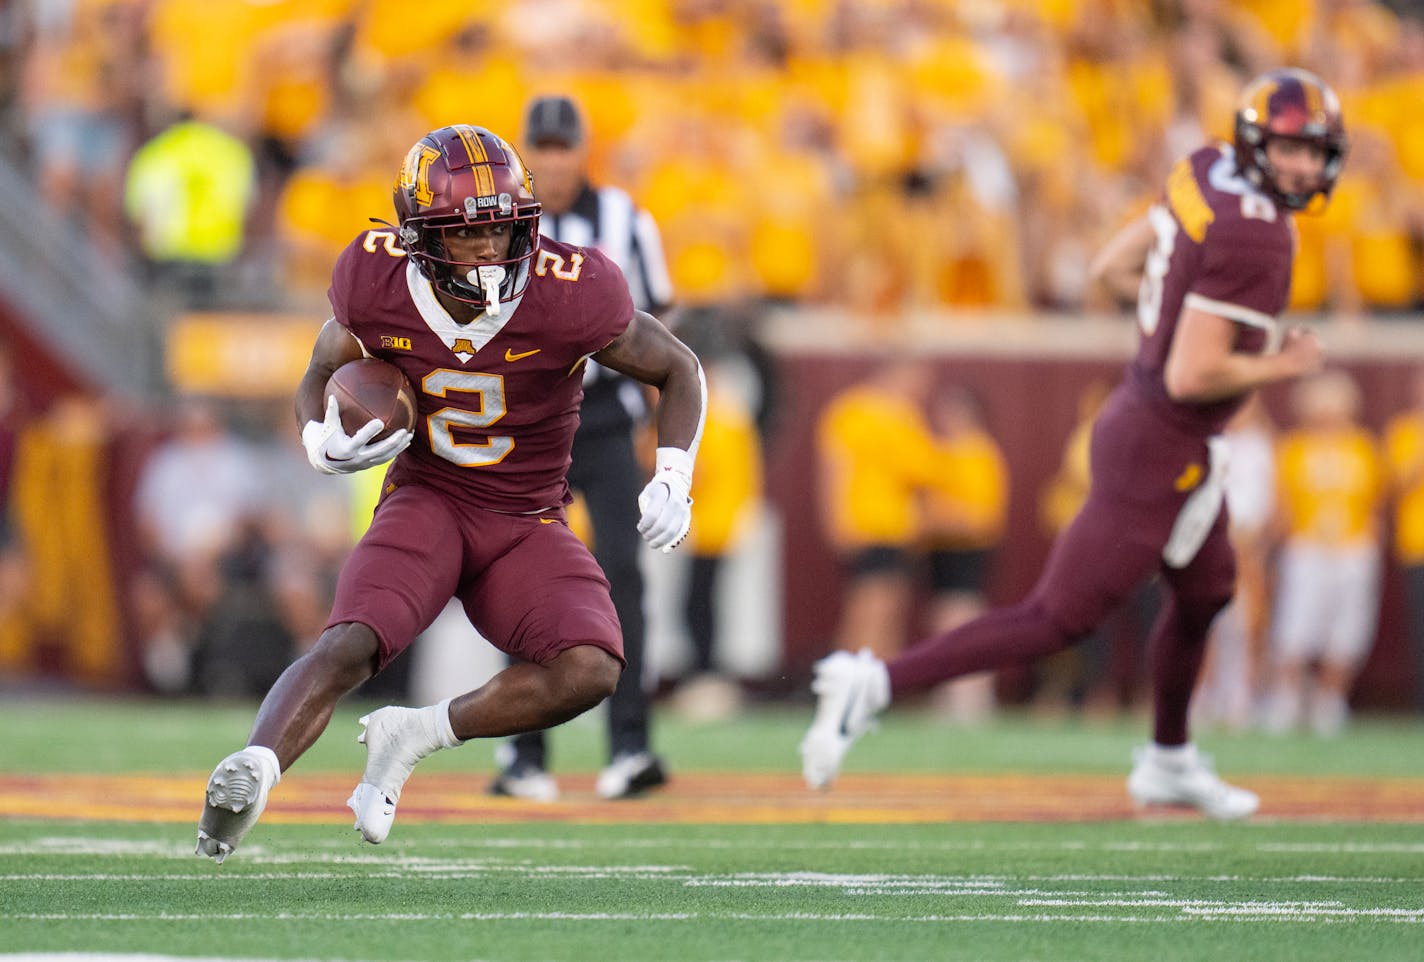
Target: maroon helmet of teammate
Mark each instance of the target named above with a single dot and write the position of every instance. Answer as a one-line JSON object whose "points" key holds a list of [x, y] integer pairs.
{"points": [[1291, 104], [460, 176]]}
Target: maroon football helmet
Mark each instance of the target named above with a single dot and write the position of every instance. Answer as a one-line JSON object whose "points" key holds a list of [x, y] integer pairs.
{"points": [[1291, 104], [457, 176]]}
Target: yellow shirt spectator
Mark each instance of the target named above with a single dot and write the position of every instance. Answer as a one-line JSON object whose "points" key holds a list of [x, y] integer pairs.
{"points": [[729, 475], [1373, 261], [968, 506], [1404, 453], [388, 31], [877, 454], [322, 207], [1330, 486], [204, 51]]}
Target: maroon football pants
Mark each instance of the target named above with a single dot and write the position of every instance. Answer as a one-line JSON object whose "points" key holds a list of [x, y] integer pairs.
{"points": [[1112, 547]]}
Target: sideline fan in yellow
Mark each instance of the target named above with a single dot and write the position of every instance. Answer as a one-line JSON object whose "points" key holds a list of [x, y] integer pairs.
{"points": [[1331, 489], [877, 455]]}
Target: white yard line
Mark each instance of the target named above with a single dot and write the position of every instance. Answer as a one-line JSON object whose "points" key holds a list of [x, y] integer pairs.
{"points": [[165, 846], [1016, 893], [1042, 898], [1187, 913]]}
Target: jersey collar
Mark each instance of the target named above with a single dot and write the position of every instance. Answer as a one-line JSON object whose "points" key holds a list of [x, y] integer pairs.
{"points": [[476, 334]]}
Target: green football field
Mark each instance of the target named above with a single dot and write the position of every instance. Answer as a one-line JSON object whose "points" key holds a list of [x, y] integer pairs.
{"points": [[1009, 842]]}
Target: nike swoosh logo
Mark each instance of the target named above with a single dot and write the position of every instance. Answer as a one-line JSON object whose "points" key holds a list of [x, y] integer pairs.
{"points": [[548, 520], [845, 716], [509, 354]]}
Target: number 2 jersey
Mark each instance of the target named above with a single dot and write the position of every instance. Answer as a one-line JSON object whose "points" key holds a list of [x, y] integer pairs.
{"points": [[499, 396], [1224, 248]]}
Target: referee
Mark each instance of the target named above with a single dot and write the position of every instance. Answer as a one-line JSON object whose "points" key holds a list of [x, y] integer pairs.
{"points": [[605, 469]]}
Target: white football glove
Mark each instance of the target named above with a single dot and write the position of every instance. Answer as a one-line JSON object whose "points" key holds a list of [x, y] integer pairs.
{"points": [[666, 508], [330, 451]]}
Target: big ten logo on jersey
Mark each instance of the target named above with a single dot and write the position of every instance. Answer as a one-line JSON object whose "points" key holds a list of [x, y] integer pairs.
{"points": [[551, 263], [383, 239], [392, 342]]}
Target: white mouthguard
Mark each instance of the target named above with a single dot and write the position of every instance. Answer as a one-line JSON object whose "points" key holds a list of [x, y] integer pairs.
{"points": [[488, 277]]}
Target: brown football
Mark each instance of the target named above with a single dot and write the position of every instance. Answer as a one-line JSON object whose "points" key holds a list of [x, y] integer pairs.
{"points": [[371, 388]]}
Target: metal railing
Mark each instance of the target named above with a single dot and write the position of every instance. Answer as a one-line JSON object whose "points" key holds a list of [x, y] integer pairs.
{"points": [[73, 298]]}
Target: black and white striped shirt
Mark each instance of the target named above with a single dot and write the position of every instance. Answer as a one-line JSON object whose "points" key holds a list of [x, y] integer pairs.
{"points": [[607, 218]]}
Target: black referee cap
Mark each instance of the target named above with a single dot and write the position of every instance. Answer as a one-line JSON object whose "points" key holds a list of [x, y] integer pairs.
{"points": [[553, 120]]}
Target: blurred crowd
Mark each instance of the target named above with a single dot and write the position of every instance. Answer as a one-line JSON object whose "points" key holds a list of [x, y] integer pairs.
{"points": [[881, 155]]}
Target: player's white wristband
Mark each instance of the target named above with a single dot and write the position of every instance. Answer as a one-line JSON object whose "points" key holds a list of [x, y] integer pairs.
{"points": [[673, 459]]}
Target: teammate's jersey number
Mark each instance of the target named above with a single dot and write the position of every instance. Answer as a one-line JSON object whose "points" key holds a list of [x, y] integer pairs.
{"points": [[1223, 177], [467, 454], [1154, 273]]}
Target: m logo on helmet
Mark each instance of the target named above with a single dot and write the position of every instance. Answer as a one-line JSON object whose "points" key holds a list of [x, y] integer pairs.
{"points": [[415, 173]]}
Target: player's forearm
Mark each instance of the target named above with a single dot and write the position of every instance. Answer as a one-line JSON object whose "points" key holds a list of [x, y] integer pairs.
{"points": [[309, 399], [1203, 364], [1228, 376], [334, 347], [1122, 282], [1119, 266], [682, 407]]}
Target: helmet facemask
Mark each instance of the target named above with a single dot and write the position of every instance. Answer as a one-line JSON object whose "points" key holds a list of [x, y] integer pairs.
{"points": [[459, 177], [424, 241]]}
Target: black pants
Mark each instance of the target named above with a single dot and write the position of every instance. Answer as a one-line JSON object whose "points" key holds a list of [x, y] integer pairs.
{"points": [[605, 471], [700, 607], [1414, 619]]}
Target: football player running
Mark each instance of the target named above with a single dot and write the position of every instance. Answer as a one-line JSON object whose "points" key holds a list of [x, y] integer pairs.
{"points": [[1209, 266], [492, 325]]}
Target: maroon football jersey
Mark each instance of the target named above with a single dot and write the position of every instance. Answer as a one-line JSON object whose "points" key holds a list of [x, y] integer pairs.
{"points": [[1222, 247], [499, 396]]}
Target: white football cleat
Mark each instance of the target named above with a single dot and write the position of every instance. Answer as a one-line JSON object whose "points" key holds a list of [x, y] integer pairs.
{"points": [[395, 739], [851, 690], [630, 774], [236, 795], [1185, 777], [375, 812], [527, 782]]}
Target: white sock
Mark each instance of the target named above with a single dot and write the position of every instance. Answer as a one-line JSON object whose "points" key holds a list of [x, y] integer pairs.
{"points": [[271, 767], [440, 714], [879, 681], [1175, 754]]}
